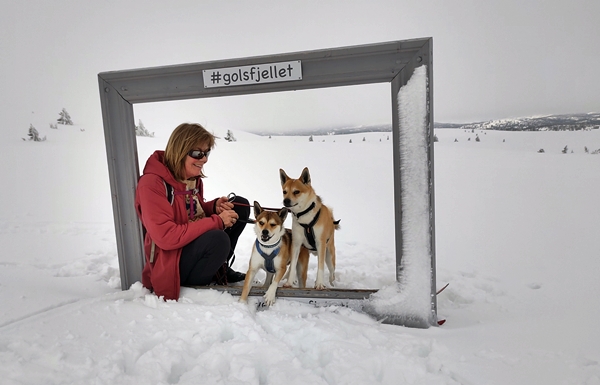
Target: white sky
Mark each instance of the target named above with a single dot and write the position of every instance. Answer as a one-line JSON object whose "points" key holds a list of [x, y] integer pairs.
{"points": [[492, 59]]}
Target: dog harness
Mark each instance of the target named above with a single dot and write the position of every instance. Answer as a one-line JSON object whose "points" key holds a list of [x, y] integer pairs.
{"points": [[269, 258], [308, 229]]}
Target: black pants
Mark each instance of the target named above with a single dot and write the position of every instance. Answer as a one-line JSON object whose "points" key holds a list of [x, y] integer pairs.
{"points": [[201, 258]]}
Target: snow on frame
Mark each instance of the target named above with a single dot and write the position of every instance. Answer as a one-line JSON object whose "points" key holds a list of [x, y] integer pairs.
{"points": [[409, 301]]}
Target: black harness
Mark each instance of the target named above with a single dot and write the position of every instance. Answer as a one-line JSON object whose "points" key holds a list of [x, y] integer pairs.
{"points": [[309, 233], [269, 258]]}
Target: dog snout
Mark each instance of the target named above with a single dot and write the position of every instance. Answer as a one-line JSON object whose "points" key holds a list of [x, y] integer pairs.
{"points": [[265, 232], [287, 202]]}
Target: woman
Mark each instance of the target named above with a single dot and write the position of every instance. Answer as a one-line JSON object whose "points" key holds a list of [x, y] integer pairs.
{"points": [[188, 241]]}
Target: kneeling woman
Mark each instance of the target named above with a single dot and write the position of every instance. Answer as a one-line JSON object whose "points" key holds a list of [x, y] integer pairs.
{"points": [[188, 241]]}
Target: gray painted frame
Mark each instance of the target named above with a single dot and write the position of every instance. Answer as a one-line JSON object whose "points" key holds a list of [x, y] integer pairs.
{"points": [[390, 62]]}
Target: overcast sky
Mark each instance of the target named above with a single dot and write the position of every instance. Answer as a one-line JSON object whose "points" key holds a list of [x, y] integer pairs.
{"points": [[492, 59]]}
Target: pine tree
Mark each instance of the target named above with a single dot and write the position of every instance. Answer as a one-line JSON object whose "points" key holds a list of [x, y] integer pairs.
{"points": [[140, 130], [34, 134], [65, 118], [229, 137], [310, 138], [564, 151]]}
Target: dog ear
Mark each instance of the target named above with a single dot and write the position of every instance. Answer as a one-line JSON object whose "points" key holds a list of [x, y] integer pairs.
{"points": [[283, 214], [305, 177], [283, 176], [257, 209]]}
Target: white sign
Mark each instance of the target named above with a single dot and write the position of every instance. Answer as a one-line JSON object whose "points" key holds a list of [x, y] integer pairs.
{"points": [[254, 74]]}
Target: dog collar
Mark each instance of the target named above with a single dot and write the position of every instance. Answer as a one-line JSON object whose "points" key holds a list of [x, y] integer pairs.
{"points": [[312, 206], [268, 246]]}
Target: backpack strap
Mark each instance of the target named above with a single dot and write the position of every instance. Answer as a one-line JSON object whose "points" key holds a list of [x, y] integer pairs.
{"points": [[169, 191]]}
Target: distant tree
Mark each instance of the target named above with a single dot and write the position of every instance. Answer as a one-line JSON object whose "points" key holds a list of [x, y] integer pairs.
{"points": [[477, 138], [34, 135], [455, 140], [65, 118], [350, 141], [229, 137], [586, 150], [541, 151], [503, 140], [53, 126], [364, 139], [435, 138], [388, 138], [269, 136], [310, 138], [140, 130], [468, 140], [564, 151]]}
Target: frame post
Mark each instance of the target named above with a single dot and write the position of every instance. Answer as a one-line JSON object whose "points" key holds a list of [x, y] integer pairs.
{"points": [[123, 170]]}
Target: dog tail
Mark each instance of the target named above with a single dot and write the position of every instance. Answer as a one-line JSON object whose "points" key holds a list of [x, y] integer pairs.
{"points": [[336, 224]]}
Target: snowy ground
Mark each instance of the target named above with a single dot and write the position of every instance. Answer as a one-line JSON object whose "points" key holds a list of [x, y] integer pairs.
{"points": [[517, 239]]}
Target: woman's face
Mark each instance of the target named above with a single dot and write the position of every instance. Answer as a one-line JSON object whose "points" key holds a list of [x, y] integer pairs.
{"points": [[193, 167]]}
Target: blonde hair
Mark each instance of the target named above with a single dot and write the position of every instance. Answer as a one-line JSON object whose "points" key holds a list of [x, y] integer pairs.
{"points": [[186, 137]]}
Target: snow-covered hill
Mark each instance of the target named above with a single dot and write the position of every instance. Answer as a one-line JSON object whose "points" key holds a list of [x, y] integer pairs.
{"points": [[567, 122]]}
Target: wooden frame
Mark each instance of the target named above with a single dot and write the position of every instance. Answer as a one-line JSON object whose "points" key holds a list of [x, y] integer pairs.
{"points": [[391, 62]]}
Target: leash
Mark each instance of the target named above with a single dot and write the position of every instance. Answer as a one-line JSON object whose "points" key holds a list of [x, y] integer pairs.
{"points": [[231, 197]]}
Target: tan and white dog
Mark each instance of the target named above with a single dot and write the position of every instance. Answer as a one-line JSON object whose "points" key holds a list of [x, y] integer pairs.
{"points": [[313, 227], [271, 252]]}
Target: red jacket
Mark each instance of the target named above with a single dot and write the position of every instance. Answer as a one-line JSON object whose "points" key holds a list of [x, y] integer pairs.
{"points": [[167, 225]]}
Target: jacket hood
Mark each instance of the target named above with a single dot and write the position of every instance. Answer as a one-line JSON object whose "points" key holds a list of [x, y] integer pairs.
{"points": [[156, 165]]}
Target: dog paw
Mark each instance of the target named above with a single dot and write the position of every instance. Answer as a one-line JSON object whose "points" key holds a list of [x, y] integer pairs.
{"points": [[269, 299], [320, 286]]}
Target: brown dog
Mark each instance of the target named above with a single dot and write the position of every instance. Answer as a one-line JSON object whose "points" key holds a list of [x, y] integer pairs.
{"points": [[313, 227], [271, 252]]}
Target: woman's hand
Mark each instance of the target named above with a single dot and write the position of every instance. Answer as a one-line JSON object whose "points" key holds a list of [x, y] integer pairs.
{"points": [[223, 204], [229, 217]]}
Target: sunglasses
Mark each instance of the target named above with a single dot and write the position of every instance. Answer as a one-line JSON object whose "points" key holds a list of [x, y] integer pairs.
{"points": [[197, 154]]}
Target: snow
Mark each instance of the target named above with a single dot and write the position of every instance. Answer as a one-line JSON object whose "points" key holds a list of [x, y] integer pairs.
{"points": [[516, 238]]}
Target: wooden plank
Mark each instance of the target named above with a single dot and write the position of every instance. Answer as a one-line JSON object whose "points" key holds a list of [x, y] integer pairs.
{"points": [[284, 292]]}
